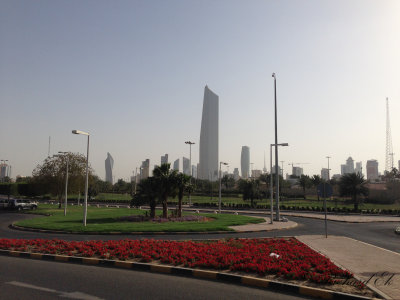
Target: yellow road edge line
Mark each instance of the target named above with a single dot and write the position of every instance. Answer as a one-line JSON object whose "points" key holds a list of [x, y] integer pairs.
{"points": [[160, 269], [255, 281], [61, 258], [315, 292], [204, 274], [123, 264], [90, 261]]}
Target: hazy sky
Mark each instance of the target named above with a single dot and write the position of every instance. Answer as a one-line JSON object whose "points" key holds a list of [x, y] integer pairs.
{"points": [[132, 74]]}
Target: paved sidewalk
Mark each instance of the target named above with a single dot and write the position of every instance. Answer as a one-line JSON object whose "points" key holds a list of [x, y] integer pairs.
{"points": [[378, 267], [344, 218], [351, 218], [264, 226]]}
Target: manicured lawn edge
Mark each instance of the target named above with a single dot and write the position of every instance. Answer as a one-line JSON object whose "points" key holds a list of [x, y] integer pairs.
{"points": [[107, 221], [189, 272]]}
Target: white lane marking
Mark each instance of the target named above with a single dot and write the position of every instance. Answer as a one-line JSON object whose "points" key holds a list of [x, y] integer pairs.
{"points": [[71, 295]]}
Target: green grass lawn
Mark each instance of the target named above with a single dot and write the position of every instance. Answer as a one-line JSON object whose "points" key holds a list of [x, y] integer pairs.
{"points": [[310, 201], [106, 220]]}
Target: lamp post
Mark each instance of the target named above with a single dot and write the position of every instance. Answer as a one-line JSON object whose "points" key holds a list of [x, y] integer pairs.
{"points": [[219, 201], [271, 184], [190, 164], [66, 182], [87, 174], [276, 150], [328, 157]]}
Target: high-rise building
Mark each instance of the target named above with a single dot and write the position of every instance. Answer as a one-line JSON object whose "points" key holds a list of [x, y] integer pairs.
{"points": [[343, 169], [4, 170], [145, 170], [372, 170], [325, 174], [358, 169], [194, 171], [297, 171], [164, 159], [236, 174], [109, 164], [209, 137], [350, 165], [186, 166], [245, 162], [176, 165]]}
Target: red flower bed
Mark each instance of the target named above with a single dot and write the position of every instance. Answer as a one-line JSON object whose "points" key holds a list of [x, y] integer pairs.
{"points": [[287, 258]]}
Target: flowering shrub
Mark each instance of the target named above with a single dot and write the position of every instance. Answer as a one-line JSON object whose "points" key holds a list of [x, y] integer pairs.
{"points": [[291, 259]]}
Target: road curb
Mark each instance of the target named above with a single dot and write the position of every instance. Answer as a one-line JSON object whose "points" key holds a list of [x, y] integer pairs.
{"points": [[197, 273], [16, 227]]}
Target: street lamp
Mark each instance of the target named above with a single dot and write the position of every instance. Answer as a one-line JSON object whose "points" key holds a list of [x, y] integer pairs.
{"points": [[190, 164], [276, 150], [87, 174], [271, 183], [66, 182], [328, 157], [219, 201]]}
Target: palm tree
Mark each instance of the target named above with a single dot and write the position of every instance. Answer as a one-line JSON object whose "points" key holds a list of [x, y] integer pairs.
{"points": [[304, 182], [182, 183], [147, 194], [316, 180], [250, 190], [353, 184], [166, 184]]}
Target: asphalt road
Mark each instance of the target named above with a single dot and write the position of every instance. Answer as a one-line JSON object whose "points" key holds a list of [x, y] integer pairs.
{"points": [[36, 279], [380, 234]]}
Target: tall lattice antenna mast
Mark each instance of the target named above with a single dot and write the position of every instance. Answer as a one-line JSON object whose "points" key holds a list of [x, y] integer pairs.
{"points": [[389, 146]]}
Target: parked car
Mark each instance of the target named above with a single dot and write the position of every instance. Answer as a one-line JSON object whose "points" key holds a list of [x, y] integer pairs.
{"points": [[4, 203], [20, 204]]}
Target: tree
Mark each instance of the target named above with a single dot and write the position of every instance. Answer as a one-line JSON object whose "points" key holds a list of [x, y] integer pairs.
{"points": [[182, 184], [250, 190], [51, 174], [147, 193], [305, 182], [316, 180], [227, 181], [166, 184], [353, 185]]}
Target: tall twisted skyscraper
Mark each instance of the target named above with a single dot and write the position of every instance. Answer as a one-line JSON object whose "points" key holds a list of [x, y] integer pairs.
{"points": [[208, 162], [245, 162], [109, 166]]}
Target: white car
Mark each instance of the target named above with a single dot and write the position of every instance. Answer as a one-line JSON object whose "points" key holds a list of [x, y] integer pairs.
{"points": [[20, 204]]}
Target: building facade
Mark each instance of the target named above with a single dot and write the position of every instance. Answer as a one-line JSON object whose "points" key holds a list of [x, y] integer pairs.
{"points": [[176, 165], [325, 174], [358, 169], [164, 159], [350, 165], [145, 169], [186, 166], [236, 175], [245, 162], [372, 170], [297, 171], [194, 171], [109, 164], [209, 137]]}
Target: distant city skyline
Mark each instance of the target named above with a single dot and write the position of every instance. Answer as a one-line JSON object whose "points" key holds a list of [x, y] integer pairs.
{"points": [[132, 74]]}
